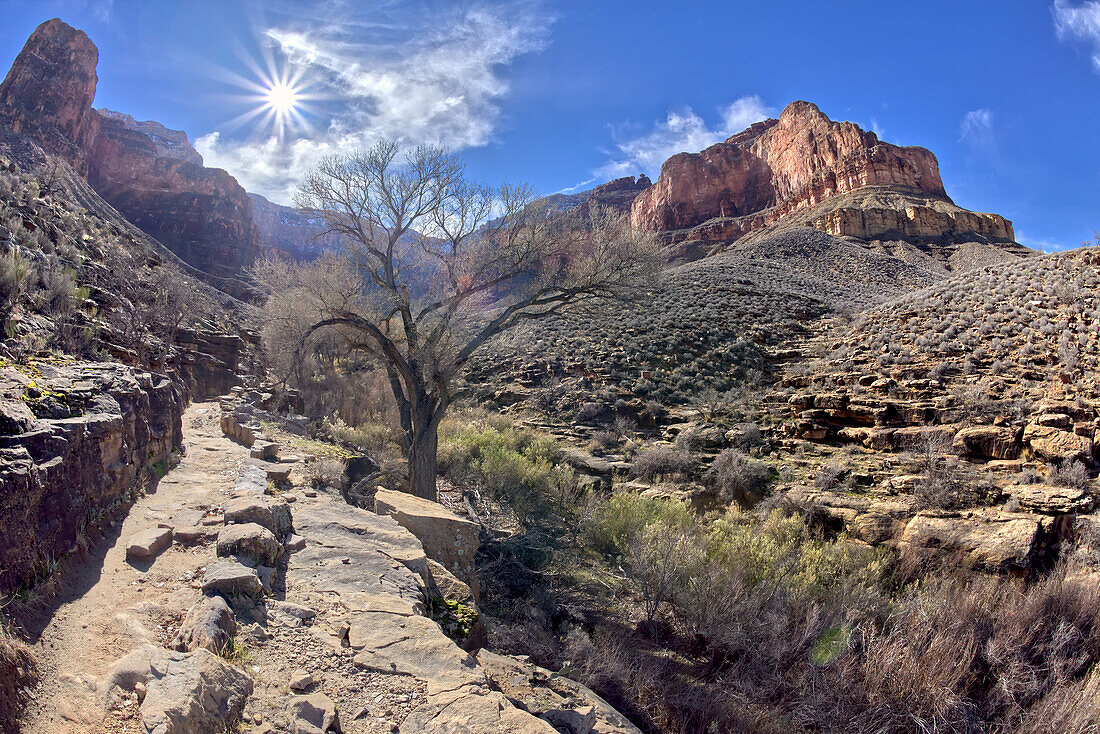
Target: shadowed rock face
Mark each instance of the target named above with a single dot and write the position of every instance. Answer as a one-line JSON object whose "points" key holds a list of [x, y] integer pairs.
{"points": [[48, 92], [290, 231], [146, 171], [75, 442], [201, 214], [778, 167]]}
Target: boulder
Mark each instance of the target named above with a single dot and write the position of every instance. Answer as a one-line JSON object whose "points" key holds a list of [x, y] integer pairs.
{"points": [[1055, 444], [230, 577], [262, 510], [990, 541], [312, 714], [185, 692], [209, 625], [447, 538], [148, 543], [290, 614], [1050, 500], [300, 680], [265, 450], [1055, 420], [987, 442], [250, 540]]}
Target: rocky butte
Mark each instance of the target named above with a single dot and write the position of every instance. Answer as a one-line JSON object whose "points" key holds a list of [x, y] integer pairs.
{"points": [[804, 168], [146, 171]]}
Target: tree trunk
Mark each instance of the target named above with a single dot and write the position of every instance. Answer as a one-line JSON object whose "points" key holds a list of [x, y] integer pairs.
{"points": [[422, 460]]}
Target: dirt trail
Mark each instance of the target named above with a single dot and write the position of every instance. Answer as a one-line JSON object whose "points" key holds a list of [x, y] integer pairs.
{"points": [[108, 605]]}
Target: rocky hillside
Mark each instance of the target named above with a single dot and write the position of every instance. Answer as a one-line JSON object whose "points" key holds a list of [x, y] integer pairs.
{"points": [[787, 169], [143, 170], [961, 418], [712, 324]]}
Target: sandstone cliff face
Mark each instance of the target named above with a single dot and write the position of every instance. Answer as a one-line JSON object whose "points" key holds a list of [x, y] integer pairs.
{"points": [[146, 171], [169, 143], [779, 167], [48, 92], [201, 214], [77, 441]]}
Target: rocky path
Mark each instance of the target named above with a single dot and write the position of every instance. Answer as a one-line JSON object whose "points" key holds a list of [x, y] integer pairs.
{"points": [[336, 639], [113, 605]]}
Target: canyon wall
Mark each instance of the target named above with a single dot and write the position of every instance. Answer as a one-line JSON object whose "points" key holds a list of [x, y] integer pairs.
{"points": [[77, 441], [146, 171], [798, 162]]}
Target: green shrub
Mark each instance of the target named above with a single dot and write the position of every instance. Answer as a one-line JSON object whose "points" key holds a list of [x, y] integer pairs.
{"points": [[514, 466], [623, 518]]}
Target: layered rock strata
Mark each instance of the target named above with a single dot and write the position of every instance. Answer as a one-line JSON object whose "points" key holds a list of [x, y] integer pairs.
{"points": [[147, 172], [77, 440], [798, 161]]}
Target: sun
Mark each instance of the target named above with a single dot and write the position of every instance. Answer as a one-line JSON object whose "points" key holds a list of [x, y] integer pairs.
{"points": [[282, 97]]}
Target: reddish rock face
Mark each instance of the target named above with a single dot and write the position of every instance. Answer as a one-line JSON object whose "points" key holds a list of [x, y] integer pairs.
{"points": [[48, 92], [147, 172], [201, 214], [777, 167]]}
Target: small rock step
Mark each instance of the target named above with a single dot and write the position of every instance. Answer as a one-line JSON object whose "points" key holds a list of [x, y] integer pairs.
{"points": [[148, 543]]}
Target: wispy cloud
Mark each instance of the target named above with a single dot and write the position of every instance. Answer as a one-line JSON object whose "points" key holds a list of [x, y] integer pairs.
{"points": [[1039, 243], [681, 131], [976, 128], [1080, 23], [430, 76]]}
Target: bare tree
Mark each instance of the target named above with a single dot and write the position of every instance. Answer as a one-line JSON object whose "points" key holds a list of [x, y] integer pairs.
{"points": [[436, 266]]}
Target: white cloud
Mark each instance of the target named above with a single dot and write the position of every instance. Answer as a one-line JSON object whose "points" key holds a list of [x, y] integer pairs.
{"points": [[680, 132], [1079, 23], [1039, 243], [976, 128], [432, 77]]}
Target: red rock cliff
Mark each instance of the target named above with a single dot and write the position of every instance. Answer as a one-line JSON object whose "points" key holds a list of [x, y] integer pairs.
{"points": [[201, 214], [48, 92], [783, 165], [142, 169]]}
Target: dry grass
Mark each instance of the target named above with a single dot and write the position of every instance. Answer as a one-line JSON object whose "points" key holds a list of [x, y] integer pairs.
{"points": [[17, 673]]}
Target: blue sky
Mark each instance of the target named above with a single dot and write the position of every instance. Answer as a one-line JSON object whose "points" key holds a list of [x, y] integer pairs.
{"points": [[567, 94]]}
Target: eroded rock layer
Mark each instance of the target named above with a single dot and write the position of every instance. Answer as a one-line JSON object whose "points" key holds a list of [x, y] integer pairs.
{"points": [[797, 162], [147, 172], [76, 441]]}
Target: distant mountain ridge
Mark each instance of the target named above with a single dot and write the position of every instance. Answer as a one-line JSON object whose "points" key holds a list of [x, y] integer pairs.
{"points": [[803, 169]]}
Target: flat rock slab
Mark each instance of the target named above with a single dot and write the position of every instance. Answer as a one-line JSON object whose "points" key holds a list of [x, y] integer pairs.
{"points": [[148, 543], [312, 714], [381, 556], [447, 538], [194, 535], [231, 577], [569, 705], [251, 540], [267, 511], [251, 480]]}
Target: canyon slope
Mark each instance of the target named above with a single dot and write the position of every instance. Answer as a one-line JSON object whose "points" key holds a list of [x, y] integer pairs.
{"points": [[148, 173]]}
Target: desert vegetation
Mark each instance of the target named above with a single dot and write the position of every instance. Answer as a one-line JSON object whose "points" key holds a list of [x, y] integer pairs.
{"points": [[425, 248], [73, 283]]}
